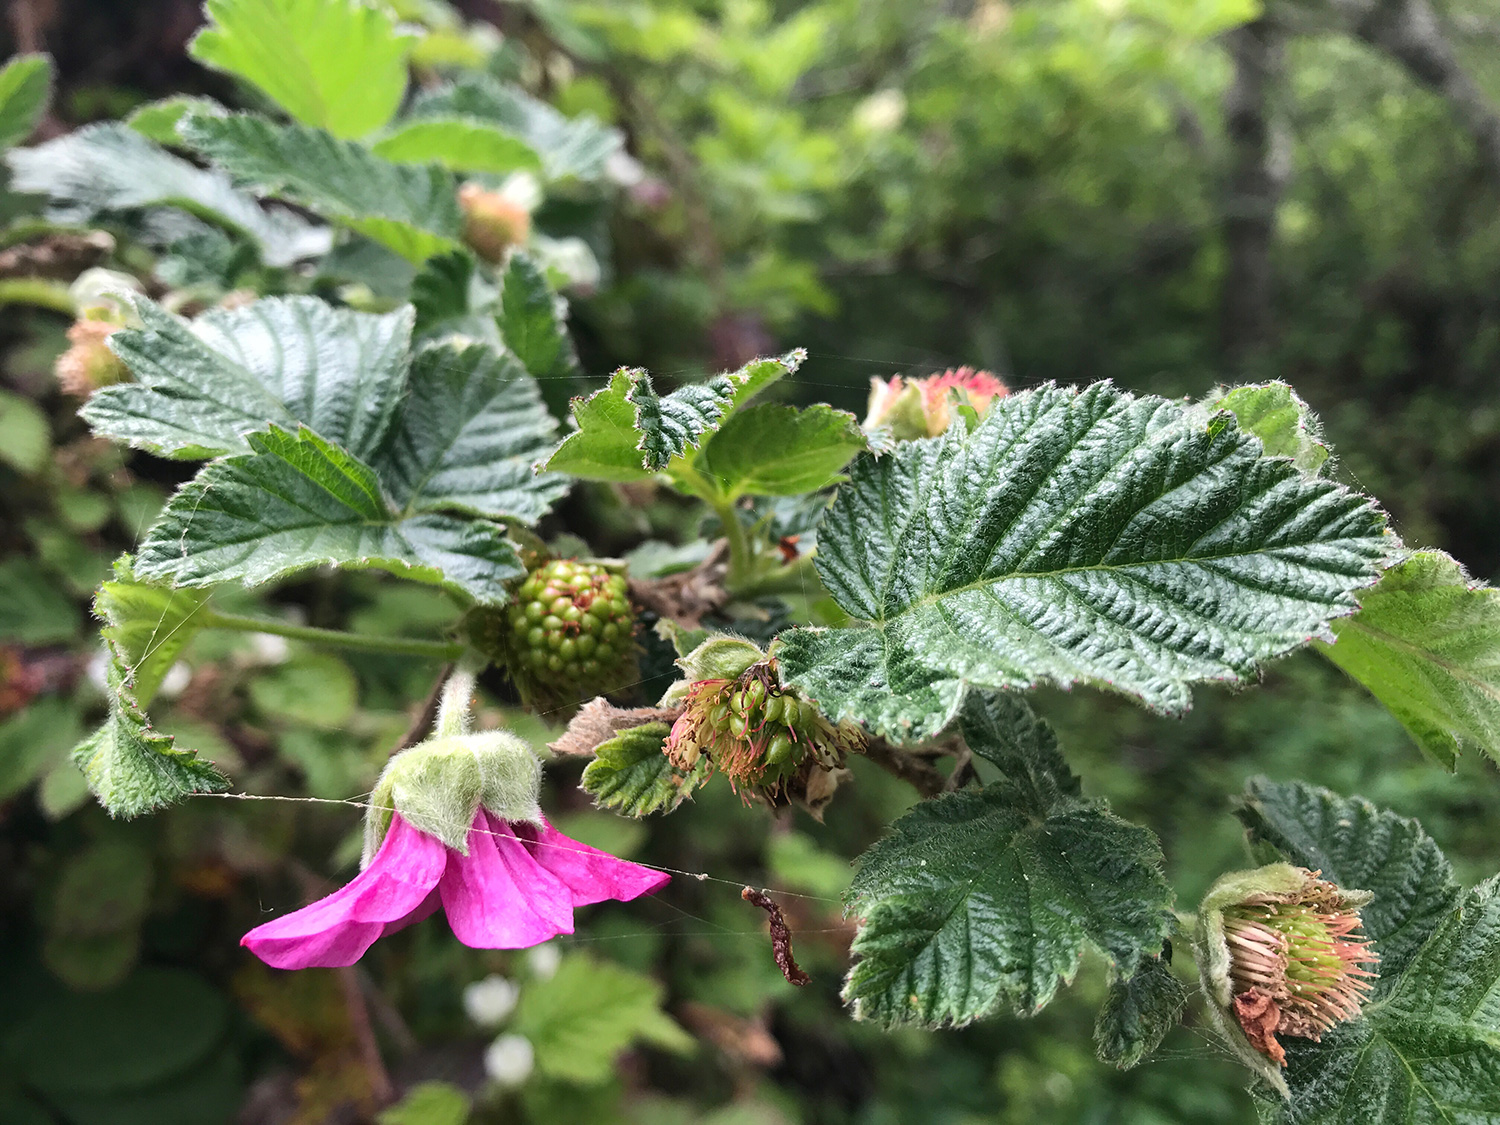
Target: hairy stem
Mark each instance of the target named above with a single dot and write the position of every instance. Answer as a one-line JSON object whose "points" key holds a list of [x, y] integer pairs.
{"points": [[333, 638]]}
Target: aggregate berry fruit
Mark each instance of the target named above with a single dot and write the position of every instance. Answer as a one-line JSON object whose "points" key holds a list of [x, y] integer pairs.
{"points": [[768, 739], [570, 635]]}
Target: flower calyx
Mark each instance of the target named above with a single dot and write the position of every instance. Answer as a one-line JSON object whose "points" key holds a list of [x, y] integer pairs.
{"points": [[1282, 953], [908, 409]]}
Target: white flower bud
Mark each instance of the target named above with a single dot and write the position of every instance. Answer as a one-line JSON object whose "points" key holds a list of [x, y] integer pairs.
{"points": [[490, 1000], [509, 1060], [543, 960]]}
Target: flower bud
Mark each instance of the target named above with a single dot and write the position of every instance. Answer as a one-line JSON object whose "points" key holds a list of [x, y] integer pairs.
{"points": [[919, 408], [493, 221], [1282, 954], [89, 363]]}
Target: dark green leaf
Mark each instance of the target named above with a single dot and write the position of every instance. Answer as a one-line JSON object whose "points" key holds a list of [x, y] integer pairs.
{"points": [[533, 321], [1429, 1051], [468, 438], [203, 386], [463, 144], [336, 64], [297, 502], [632, 774], [33, 610], [981, 900], [1363, 848], [1074, 537], [106, 169], [25, 89], [1138, 1012], [774, 450], [34, 740], [1426, 642], [452, 296], [410, 208], [131, 768]]}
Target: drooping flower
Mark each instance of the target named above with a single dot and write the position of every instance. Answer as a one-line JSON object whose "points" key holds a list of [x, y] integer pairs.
{"points": [[454, 823], [1283, 954], [918, 408]]}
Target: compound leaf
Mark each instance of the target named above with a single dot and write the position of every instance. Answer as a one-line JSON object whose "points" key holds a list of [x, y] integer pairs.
{"points": [[1074, 537], [409, 208], [468, 437], [204, 386], [338, 65], [1426, 643], [25, 89], [632, 774], [1361, 847], [297, 501], [981, 900], [775, 450], [106, 169]]}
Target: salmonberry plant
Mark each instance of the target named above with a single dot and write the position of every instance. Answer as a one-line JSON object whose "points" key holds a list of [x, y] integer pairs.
{"points": [[351, 321]]}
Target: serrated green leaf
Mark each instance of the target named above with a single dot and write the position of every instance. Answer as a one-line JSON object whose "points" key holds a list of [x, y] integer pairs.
{"points": [[1073, 537], [1138, 1012], [1429, 1051], [202, 386], [569, 147], [132, 768], [628, 432], [981, 900], [463, 144], [532, 321], [410, 208], [107, 169], [468, 437], [25, 89], [589, 1011], [775, 450], [1285, 424], [336, 64], [1426, 643], [157, 121], [1360, 847], [149, 625], [297, 502], [632, 774]]}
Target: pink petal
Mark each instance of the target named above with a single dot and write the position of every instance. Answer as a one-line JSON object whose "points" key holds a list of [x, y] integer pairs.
{"points": [[497, 897], [335, 931], [592, 876]]}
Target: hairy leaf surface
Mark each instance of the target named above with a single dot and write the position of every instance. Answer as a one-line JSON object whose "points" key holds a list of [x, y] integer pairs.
{"points": [[25, 89], [981, 900], [1138, 1012], [106, 169], [1074, 537], [336, 64], [204, 386], [468, 438], [410, 208], [297, 502], [149, 625], [1285, 424], [1360, 847], [630, 773], [1426, 642], [775, 450], [532, 323]]}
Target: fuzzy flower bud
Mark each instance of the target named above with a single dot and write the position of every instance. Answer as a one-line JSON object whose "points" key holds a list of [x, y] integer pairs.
{"points": [[1282, 954], [769, 739], [493, 221], [919, 408], [88, 364]]}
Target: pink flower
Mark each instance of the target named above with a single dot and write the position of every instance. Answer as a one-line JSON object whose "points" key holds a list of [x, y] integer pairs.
{"points": [[918, 408], [516, 888]]}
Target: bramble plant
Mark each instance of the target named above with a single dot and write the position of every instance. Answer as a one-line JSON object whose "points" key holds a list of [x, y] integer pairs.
{"points": [[356, 328]]}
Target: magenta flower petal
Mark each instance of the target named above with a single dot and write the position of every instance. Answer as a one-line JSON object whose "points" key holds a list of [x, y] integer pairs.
{"points": [[498, 897], [591, 875], [336, 930]]}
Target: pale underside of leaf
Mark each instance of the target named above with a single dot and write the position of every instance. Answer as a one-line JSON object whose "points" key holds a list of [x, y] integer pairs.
{"points": [[1426, 643], [1074, 537]]}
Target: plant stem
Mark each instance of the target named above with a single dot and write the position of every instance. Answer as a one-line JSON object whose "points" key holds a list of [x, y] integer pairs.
{"points": [[740, 558], [39, 293], [333, 638]]}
